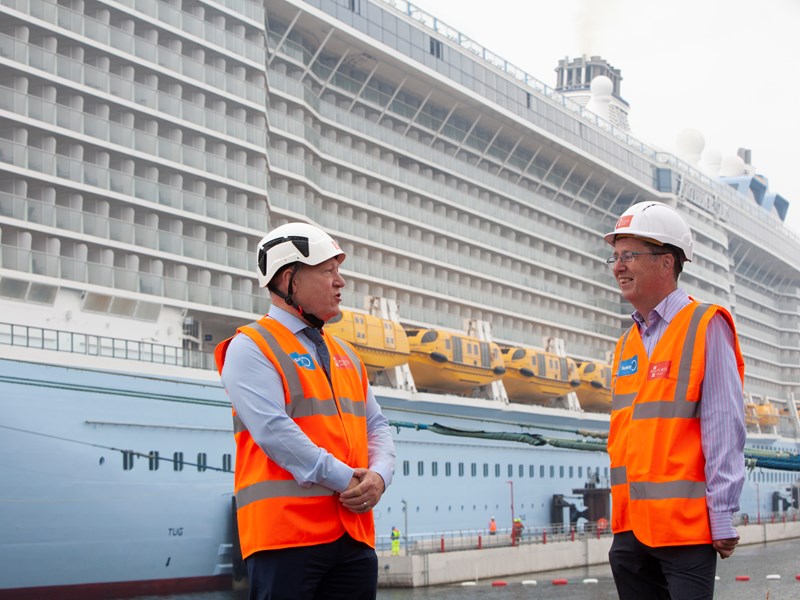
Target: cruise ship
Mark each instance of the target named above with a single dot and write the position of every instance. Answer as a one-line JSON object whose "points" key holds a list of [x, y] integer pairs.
{"points": [[147, 145]]}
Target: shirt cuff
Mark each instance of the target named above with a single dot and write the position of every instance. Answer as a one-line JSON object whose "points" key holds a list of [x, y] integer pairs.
{"points": [[722, 525]]}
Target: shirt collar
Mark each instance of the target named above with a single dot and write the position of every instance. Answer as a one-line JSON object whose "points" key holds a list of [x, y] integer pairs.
{"points": [[292, 322], [666, 310]]}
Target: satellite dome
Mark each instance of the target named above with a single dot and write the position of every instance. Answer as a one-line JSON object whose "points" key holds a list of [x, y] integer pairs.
{"points": [[690, 143], [732, 165], [602, 86]]}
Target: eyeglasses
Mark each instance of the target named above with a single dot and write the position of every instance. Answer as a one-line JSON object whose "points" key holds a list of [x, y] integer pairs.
{"points": [[628, 257]]}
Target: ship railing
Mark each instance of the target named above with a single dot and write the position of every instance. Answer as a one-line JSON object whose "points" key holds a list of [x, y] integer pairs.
{"points": [[103, 346], [480, 539]]}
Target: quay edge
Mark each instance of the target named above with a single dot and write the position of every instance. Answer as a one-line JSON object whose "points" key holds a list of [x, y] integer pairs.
{"points": [[440, 568]]}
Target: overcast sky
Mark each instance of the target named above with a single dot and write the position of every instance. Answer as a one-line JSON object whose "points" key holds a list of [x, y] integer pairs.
{"points": [[727, 68]]}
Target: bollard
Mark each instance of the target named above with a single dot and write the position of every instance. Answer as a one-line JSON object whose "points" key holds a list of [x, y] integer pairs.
{"points": [[480, 542], [544, 536], [571, 534], [442, 543]]}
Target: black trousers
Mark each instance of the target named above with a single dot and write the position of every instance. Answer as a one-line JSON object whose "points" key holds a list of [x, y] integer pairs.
{"points": [[665, 573], [344, 569]]}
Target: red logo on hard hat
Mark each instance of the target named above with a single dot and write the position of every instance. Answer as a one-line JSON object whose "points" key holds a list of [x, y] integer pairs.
{"points": [[624, 221]]}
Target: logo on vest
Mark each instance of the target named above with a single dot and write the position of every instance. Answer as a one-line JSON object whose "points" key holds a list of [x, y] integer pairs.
{"points": [[342, 362], [659, 370], [303, 360], [628, 367]]}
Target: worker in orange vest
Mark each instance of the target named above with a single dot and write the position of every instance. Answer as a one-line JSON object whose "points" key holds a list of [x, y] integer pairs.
{"points": [[492, 526], [314, 453], [676, 440]]}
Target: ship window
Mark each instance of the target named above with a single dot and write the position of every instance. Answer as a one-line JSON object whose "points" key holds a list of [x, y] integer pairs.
{"points": [[485, 469], [355, 6], [152, 460], [434, 468], [447, 469], [580, 472], [541, 471], [552, 471], [561, 471], [436, 48], [420, 468], [531, 471], [177, 461], [473, 470], [605, 472], [202, 461], [406, 467], [510, 470], [460, 469], [497, 470], [227, 462], [127, 460], [570, 472], [521, 471]]}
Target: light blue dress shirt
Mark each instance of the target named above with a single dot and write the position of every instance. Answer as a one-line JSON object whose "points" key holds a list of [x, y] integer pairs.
{"points": [[256, 391], [722, 428]]}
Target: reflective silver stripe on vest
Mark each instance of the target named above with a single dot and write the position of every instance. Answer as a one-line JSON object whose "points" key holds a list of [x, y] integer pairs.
{"points": [[288, 366], [352, 407], [238, 426], [679, 407], [648, 490], [619, 475], [353, 358], [278, 489]]}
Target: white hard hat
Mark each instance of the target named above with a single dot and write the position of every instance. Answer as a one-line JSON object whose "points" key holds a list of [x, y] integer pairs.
{"points": [[291, 243], [654, 221]]}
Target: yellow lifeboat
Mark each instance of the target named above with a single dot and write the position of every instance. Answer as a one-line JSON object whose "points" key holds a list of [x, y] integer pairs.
{"points": [[451, 363], [535, 376], [381, 344], [594, 391], [751, 415], [767, 415]]}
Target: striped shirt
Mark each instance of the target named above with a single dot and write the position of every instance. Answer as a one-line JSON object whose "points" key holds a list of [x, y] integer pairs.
{"points": [[722, 426]]}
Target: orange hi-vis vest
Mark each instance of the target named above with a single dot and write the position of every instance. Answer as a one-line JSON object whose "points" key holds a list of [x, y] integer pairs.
{"points": [[658, 484], [272, 510]]}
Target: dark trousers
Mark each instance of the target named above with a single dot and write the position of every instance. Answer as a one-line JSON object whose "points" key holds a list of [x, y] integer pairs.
{"points": [[344, 569], [665, 573]]}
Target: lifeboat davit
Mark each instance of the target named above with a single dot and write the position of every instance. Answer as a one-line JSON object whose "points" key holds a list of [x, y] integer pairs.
{"points": [[381, 344], [452, 363], [535, 376], [594, 392]]}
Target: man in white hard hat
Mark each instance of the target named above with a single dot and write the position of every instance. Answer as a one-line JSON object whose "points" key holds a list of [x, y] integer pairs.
{"points": [[676, 441], [314, 453]]}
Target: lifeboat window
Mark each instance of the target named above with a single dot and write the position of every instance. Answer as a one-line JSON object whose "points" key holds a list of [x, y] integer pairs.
{"points": [[202, 461], [430, 336], [485, 469], [359, 320], [412, 332], [473, 470], [497, 469], [518, 353], [434, 468], [177, 461], [447, 469], [460, 469], [152, 460], [420, 468], [589, 368], [406, 468], [227, 463]]}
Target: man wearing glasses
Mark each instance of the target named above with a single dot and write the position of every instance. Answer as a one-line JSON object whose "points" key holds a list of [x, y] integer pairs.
{"points": [[677, 432]]}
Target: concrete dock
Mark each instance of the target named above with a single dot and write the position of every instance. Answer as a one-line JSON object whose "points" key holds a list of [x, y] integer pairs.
{"points": [[438, 568]]}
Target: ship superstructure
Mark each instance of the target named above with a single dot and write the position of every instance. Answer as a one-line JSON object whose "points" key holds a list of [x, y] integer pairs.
{"points": [[147, 146]]}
